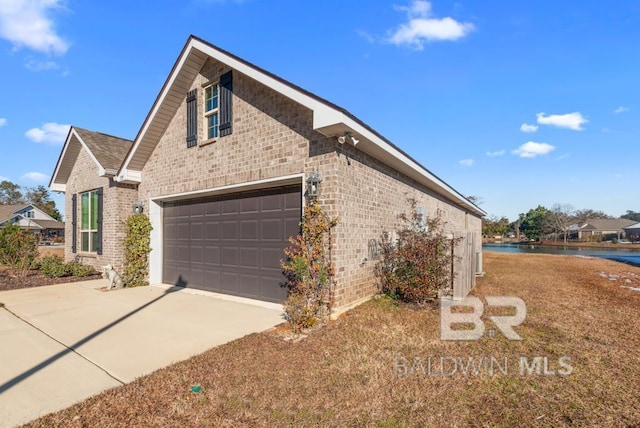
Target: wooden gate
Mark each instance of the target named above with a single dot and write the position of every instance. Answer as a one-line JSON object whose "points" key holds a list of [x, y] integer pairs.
{"points": [[463, 264]]}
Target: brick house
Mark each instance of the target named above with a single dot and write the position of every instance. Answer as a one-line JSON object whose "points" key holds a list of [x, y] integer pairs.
{"points": [[220, 165]]}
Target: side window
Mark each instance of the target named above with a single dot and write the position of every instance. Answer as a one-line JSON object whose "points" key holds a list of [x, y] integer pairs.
{"points": [[211, 110]]}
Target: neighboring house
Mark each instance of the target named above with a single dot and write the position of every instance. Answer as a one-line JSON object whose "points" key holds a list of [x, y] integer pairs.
{"points": [[221, 166], [87, 164], [632, 232], [31, 218], [604, 228]]}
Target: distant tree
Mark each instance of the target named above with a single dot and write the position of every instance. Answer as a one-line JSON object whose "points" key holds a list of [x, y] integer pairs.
{"points": [[563, 216], [40, 197], [10, 193], [631, 215], [476, 200], [581, 216], [536, 223], [493, 226]]}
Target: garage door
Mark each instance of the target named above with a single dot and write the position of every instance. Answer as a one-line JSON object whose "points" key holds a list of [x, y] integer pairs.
{"points": [[233, 243]]}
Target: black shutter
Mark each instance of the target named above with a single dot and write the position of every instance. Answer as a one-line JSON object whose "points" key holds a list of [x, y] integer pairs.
{"points": [[99, 234], [74, 220], [226, 104], [192, 118]]}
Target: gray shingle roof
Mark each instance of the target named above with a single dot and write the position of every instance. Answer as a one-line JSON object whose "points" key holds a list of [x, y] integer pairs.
{"points": [[110, 151], [608, 224], [7, 211]]}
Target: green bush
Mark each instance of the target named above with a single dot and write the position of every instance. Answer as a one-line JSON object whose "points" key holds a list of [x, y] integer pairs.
{"points": [[137, 246], [80, 269], [53, 267], [417, 267], [18, 249]]}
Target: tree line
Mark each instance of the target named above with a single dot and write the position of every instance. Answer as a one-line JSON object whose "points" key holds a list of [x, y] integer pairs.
{"points": [[541, 221], [39, 196]]}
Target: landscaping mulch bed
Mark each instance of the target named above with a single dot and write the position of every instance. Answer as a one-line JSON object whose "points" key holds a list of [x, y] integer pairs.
{"points": [[370, 367], [35, 279]]}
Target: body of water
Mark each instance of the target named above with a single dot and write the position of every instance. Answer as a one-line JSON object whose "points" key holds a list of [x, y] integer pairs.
{"points": [[625, 255]]}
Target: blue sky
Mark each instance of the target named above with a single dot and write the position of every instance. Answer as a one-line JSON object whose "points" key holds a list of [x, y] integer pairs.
{"points": [[520, 103]]}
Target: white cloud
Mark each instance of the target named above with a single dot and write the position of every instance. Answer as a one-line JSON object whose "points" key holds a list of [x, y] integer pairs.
{"points": [[422, 27], [35, 65], [621, 109], [573, 120], [3, 179], [466, 162], [27, 23], [50, 133], [3, 121], [36, 177], [533, 149], [496, 153], [528, 128]]}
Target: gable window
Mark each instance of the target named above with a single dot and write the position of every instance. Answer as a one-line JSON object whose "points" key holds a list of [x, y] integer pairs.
{"points": [[89, 222], [29, 214], [211, 110]]}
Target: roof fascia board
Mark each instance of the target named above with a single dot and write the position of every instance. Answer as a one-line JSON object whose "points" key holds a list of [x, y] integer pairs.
{"points": [[393, 152], [121, 175], [61, 159]]}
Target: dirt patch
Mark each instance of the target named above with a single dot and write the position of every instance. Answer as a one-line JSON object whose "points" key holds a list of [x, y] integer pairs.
{"points": [[379, 365], [36, 279]]}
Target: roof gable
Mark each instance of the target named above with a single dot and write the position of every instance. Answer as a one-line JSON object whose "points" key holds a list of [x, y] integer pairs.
{"points": [[10, 211], [328, 119], [105, 150]]}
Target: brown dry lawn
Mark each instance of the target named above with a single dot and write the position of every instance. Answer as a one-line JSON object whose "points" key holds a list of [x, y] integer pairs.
{"points": [[344, 374]]}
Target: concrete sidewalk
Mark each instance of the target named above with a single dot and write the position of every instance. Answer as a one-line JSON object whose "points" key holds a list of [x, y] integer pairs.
{"points": [[61, 344]]}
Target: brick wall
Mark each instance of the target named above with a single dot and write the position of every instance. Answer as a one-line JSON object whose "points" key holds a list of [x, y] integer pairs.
{"points": [[273, 137], [369, 196], [117, 205]]}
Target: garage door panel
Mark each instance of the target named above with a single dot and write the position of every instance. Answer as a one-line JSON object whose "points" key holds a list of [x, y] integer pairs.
{"points": [[196, 231], [292, 202], [249, 230], [271, 257], [271, 229], [232, 243], [250, 203], [212, 230], [212, 255], [249, 257], [230, 257], [230, 206], [291, 227], [213, 208], [230, 229]]}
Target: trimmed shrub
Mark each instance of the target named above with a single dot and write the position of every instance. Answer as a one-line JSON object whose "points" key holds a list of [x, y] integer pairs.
{"points": [[417, 267], [53, 267], [80, 269], [18, 249]]}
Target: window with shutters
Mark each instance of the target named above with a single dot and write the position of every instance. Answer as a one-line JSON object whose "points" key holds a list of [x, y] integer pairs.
{"points": [[89, 241], [212, 110]]}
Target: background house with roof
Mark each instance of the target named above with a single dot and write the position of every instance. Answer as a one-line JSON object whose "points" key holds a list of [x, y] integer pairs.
{"points": [[604, 229], [632, 232], [31, 218], [223, 165]]}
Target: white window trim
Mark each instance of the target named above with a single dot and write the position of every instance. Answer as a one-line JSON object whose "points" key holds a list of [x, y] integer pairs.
{"points": [[209, 113], [89, 230]]}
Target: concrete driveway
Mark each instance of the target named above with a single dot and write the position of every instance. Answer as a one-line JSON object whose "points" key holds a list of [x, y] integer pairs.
{"points": [[61, 344]]}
